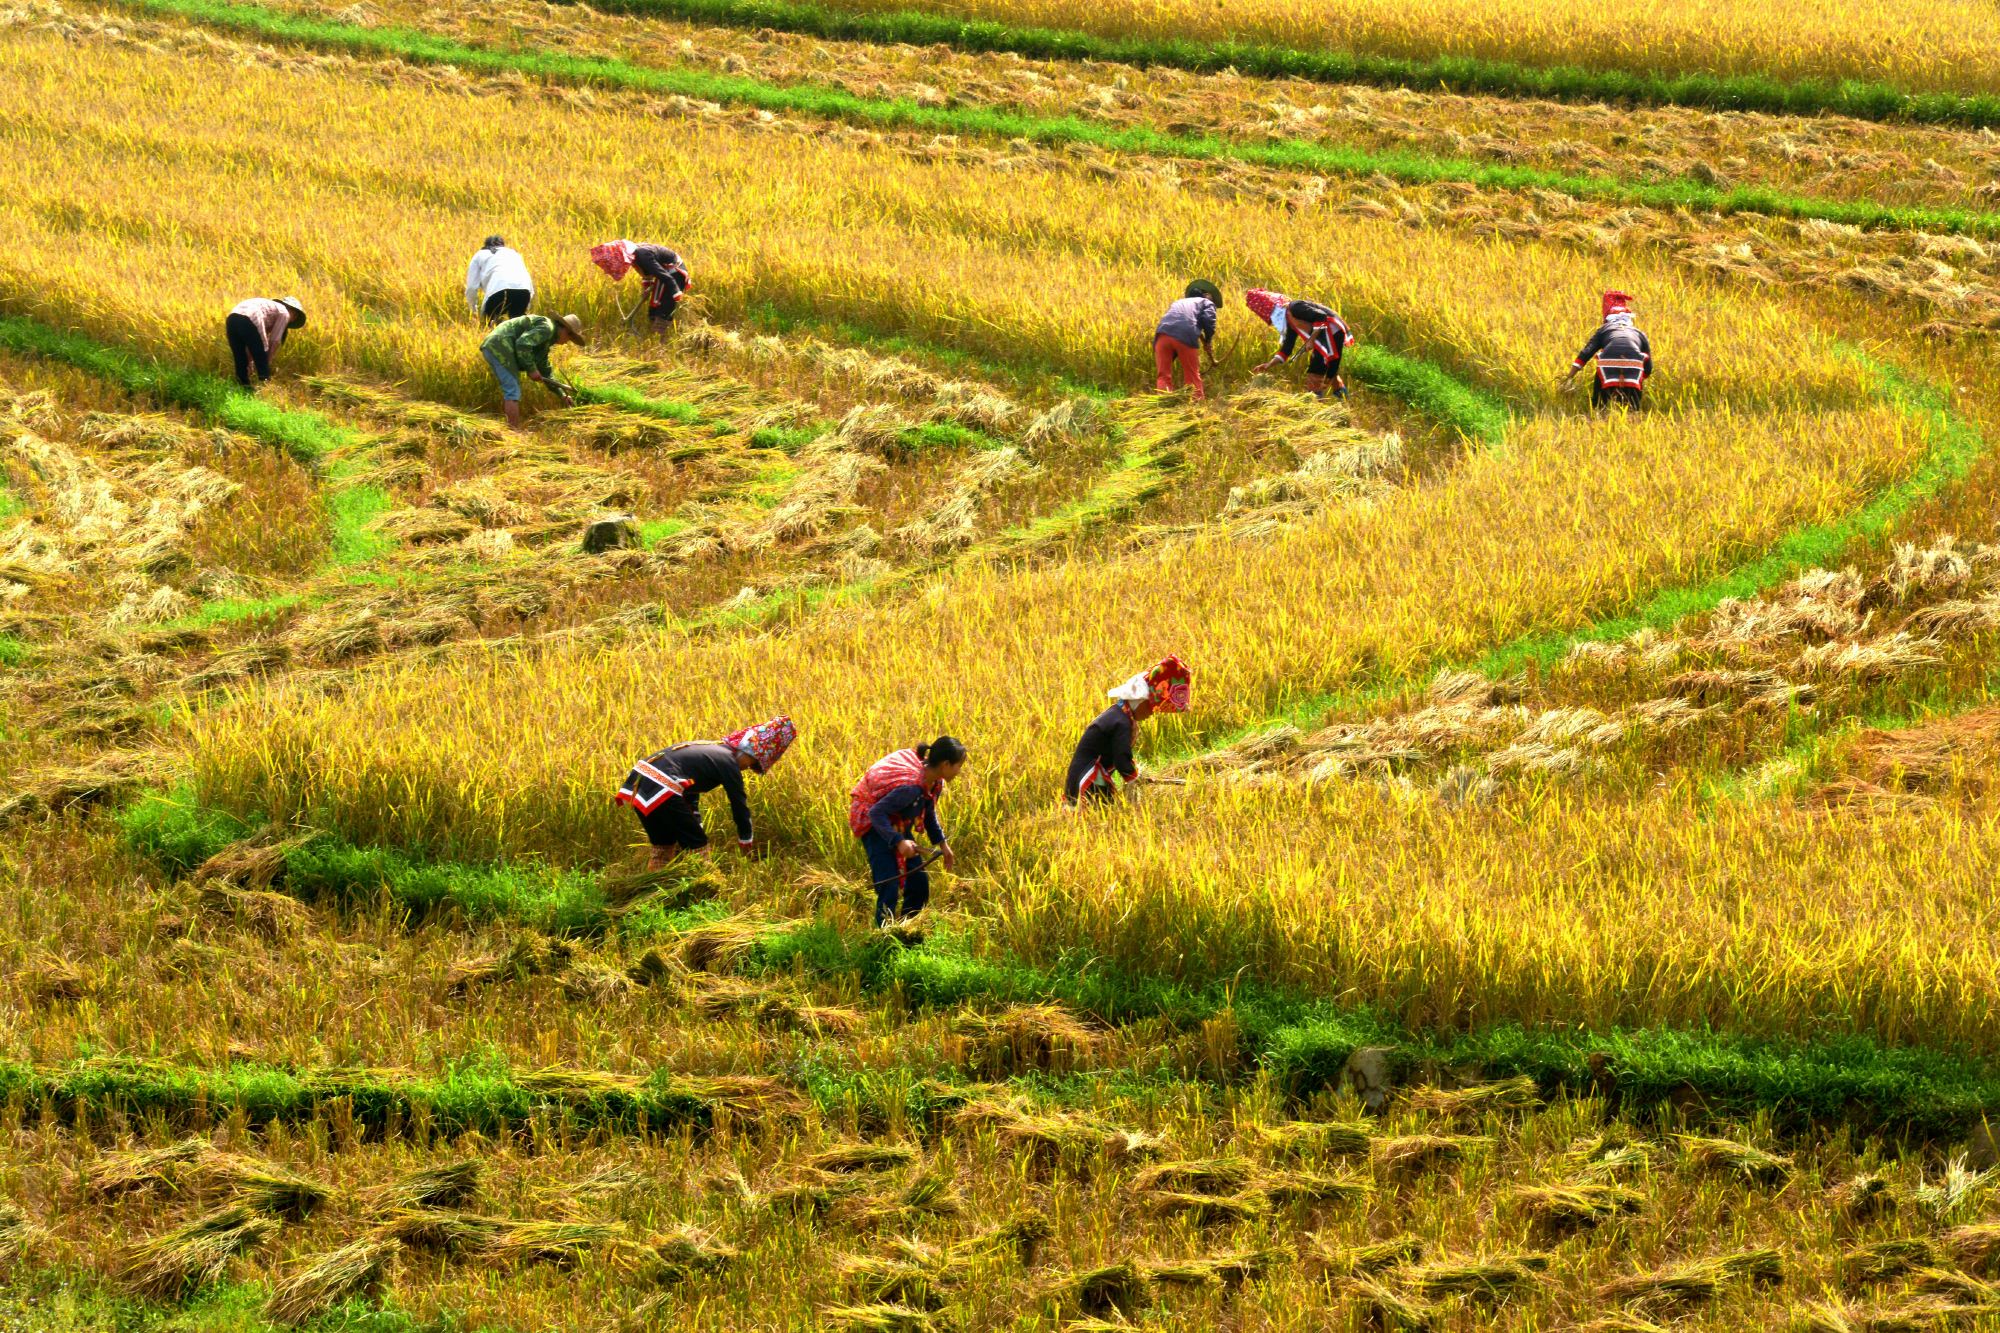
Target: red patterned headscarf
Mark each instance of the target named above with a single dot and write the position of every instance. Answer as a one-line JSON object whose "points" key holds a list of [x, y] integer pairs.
{"points": [[766, 742], [1617, 303], [1262, 303], [614, 257], [1172, 686]]}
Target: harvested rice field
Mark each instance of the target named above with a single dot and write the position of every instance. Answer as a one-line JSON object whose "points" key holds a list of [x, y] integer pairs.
{"points": [[1561, 899]]}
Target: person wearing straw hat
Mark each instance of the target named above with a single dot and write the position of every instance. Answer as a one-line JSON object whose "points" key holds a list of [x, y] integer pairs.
{"points": [[1106, 746], [665, 789], [521, 347], [497, 284], [664, 275], [1324, 331], [883, 809], [1624, 357], [256, 328], [1188, 323]]}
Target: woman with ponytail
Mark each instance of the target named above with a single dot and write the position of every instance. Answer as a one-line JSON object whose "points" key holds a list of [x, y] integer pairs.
{"points": [[898, 790]]}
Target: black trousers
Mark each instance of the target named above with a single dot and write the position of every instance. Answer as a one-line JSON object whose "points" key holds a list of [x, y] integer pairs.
{"points": [[893, 879], [503, 306], [246, 345], [1625, 395]]}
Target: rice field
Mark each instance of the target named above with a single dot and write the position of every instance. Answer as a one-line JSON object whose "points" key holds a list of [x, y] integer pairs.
{"points": [[1565, 905]]}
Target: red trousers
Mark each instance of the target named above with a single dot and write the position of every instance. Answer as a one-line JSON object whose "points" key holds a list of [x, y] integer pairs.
{"points": [[1168, 350]]}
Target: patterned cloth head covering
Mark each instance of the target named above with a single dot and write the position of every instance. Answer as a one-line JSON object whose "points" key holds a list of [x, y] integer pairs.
{"points": [[1168, 685], [1262, 303], [1617, 303], [766, 742], [614, 257], [1171, 684]]}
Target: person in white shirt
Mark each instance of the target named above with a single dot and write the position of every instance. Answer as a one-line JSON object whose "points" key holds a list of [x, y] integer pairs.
{"points": [[502, 275]]}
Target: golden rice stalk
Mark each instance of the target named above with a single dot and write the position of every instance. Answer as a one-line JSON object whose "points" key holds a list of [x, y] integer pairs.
{"points": [[1389, 1311], [927, 1194], [878, 1318], [1122, 1288], [1728, 1156], [1285, 1188], [1027, 1036], [558, 1243], [1051, 1137], [671, 889], [353, 1270], [1487, 1280], [720, 945], [1692, 1284], [1514, 1094], [441, 1230], [1068, 422], [851, 1157], [1208, 1210], [1947, 1196], [265, 1188], [1307, 1138], [591, 984], [1212, 1175], [1886, 1260], [1366, 1260], [50, 979], [1954, 1285], [755, 1096], [133, 1170], [1576, 1206], [1863, 1198], [1228, 1271], [888, 1281], [1975, 1247], [688, 1252], [452, 1185], [191, 1256], [1413, 1154], [18, 1236], [1023, 1234]]}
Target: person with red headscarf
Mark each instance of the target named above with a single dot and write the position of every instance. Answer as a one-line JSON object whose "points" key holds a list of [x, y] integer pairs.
{"points": [[1624, 357], [1106, 746], [899, 791], [665, 789], [663, 275], [1324, 331]]}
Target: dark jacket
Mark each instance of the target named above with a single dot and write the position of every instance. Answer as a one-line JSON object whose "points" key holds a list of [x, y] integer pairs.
{"points": [[1326, 331], [1106, 747], [900, 808], [662, 265], [1624, 357], [702, 768]]}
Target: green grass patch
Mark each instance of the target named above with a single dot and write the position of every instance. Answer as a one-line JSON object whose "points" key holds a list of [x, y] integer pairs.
{"points": [[306, 436], [1470, 74], [177, 832], [63, 1300], [352, 510], [13, 651], [631, 400], [788, 439], [654, 531], [235, 610], [1473, 413], [992, 123]]}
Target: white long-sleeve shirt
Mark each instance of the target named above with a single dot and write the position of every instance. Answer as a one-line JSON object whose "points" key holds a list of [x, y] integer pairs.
{"points": [[491, 271]]}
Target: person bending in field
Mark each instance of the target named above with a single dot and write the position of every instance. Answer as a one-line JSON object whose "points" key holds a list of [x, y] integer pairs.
{"points": [[1325, 332], [1188, 322], [883, 809], [521, 347], [664, 279], [499, 277], [1106, 746], [1624, 357], [665, 789], [256, 328]]}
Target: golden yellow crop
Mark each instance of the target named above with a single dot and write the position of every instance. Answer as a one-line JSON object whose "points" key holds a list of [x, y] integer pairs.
{"points": [[366, 199], [1952, 44]]}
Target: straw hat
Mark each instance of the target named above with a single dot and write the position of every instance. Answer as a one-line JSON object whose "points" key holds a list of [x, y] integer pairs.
{"points": [[574, 327], [291, 303]]}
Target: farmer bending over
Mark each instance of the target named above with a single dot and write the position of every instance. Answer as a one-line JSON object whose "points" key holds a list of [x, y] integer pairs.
{"points": [[256, 328], [521, 347], [882, 810], [1188, 322], [1326, 332], [501, 275], [665, 790], [664, 277], [1106, 747], [1624, 357]]}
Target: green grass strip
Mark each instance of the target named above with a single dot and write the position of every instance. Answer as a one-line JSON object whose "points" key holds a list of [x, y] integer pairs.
{"points": [[835, 104], [631, 400], [56, 1299], [1469, 74], [1435, 392], [1955, 446], [306, 436]]}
